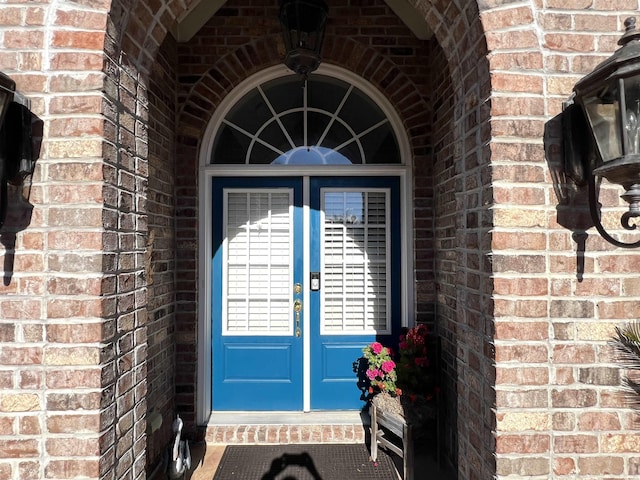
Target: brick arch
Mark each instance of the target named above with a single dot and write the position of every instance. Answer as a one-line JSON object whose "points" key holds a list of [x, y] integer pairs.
{"points": [[459, 30], [466, 131], [204, 97]]}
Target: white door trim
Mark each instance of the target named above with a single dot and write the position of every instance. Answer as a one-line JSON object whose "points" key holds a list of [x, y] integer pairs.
{"points": [[207, 172]]}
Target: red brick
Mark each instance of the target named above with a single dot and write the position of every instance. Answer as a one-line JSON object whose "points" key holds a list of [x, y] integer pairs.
{"points": [[58, 308], [29, 470], [20, 355], [522, 398], [511, 39], [522, 376], [72, 468], [73, 18], [30, 425], [71, 127], [7, 332], [23, 39], [600, 465], [523, 444], [522, 353], [573, 354], [11, 16], [521, 331], [74, 333], [20, 309], [73, 401], [79, 377], [73, 423], [81, 447], [575, 443], [598, 421], [76, 61], [564, 466], [510, 17], [78, 40], [22, 448], [571, 398], [6, 425]]}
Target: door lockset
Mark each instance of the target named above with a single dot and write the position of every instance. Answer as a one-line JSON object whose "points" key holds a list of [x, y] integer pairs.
{"points": [[297, 307], [315, 281]]}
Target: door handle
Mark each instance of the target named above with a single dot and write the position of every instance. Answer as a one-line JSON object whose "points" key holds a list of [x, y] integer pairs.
{"points": [[297, 307]]}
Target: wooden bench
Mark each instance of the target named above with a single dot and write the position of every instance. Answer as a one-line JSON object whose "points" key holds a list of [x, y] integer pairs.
{"points": [[397, 425]]}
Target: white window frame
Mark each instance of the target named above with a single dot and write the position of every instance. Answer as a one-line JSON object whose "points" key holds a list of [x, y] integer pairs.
{"points": [[225, 264], [323, 256]]}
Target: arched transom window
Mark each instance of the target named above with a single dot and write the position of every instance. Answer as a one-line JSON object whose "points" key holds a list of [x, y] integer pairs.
{"points": [[325, 121]]}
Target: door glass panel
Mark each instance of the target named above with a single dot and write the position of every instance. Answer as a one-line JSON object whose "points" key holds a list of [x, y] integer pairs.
{"points": [[355, 252], [258, 256]]}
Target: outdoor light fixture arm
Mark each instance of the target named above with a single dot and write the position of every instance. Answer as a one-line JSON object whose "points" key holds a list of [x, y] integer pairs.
{"points": [[597, 222]]}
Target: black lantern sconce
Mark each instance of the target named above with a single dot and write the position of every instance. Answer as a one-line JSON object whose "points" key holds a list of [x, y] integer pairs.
{"points": [[607, 103], [303, 23], [16, 153]]}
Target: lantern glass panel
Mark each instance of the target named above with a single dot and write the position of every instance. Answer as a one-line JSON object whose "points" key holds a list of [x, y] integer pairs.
{"points": [[5, 99], [305, 22], [632, 114], [603, 112]]}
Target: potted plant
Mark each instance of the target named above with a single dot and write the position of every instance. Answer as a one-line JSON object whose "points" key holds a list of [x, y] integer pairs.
{"points": [[404, 383], [381, 370], [626, 343]]}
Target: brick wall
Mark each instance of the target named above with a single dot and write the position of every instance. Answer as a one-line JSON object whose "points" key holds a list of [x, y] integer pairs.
{"points": [[125, 222], [442, 196], [161, 253], [55, 362], [558, 410]]}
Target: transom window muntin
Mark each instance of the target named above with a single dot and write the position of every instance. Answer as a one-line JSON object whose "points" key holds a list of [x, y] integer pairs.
{"points": [[322, 121]]}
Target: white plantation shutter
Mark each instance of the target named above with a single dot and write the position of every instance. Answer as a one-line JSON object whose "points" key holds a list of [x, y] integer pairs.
{"points": [[355, 252], [258, 254]]}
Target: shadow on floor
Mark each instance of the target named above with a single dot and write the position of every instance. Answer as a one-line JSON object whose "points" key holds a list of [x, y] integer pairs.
{"points": [[207, 457]]}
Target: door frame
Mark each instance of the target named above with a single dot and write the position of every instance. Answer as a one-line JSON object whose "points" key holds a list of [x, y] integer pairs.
{"points": [[208, 171]]}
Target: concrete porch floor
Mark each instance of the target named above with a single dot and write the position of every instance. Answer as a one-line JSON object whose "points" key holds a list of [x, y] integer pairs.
{"points": [[289, 428]]}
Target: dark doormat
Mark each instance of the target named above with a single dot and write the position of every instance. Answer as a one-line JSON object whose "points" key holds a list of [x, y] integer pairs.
{"points": [[303, 462]]}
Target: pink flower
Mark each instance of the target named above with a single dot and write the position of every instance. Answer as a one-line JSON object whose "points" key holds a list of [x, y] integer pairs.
{"points": [[402, 345], [376, 347], [388, 366]]}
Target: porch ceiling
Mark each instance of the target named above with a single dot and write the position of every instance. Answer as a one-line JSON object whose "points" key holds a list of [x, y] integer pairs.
{"points": [[200, 11]]}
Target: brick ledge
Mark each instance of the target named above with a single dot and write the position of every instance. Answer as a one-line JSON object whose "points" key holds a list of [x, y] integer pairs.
{"points": [[286, 428]]}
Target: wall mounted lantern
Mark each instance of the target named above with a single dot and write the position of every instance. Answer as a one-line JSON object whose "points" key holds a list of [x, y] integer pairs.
{"points": [[16, 153], [609, 99], [303, 23]]}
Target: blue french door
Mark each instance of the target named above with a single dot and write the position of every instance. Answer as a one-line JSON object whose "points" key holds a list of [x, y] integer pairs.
{"points": [[295, 295], [355, 245]]}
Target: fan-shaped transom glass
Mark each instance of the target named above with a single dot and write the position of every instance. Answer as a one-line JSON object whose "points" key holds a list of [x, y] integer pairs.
{"points": [[325, 121]]}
